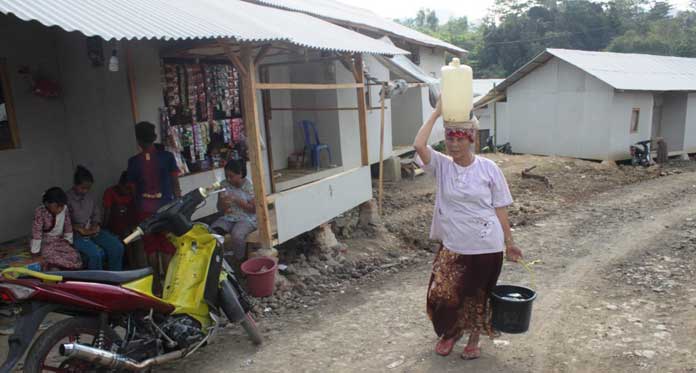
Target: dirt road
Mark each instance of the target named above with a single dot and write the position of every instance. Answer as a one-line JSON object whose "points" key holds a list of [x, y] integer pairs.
{"points": [[616, 293]]}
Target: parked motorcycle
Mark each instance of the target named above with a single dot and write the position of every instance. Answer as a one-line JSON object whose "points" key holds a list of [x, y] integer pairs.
{"points": [[640, 153], [114, 321], [491, 147]]}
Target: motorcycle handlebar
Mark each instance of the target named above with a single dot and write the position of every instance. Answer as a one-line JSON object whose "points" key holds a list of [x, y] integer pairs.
{"points": [[137, 233]]}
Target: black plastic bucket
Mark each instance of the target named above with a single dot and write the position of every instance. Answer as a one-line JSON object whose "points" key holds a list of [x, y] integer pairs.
{"points": [[512, 308]]}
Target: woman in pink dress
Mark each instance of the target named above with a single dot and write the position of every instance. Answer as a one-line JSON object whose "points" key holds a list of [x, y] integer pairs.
{"points": [[470, 220], [52, 234]]}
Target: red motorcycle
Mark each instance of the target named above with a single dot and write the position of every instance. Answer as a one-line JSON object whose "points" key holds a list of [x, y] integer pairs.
{"points": [[114, 322]]}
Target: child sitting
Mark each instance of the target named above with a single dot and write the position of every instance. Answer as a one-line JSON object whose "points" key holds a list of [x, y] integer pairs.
{"points": [[52, 234]]}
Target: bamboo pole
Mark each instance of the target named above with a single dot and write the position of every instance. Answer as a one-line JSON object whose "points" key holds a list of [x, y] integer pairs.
{"points": [[131, 85], [381, 150]]}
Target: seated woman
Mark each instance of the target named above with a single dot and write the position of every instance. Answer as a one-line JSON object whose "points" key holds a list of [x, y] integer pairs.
{"points": [[238, 207], [52, 234], [91, 240]]}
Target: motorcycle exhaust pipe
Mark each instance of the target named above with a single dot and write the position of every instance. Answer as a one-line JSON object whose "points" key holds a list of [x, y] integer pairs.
{"points": [[112, 360]]}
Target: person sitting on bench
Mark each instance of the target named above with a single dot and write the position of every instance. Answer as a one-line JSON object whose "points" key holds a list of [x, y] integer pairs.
{"points": [[238, 207]]}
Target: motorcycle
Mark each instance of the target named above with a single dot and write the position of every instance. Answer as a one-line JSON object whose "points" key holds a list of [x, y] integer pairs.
{"points": [[114, 321], [491, 147], [640, 153]]}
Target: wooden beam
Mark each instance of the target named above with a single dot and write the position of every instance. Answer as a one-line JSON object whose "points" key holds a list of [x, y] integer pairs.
{"points": [[303, 86], [300, 62], [251, 119], [362, 109], [264, 76], [131, 84], [234, 58], [321, 109], [262, 53]]}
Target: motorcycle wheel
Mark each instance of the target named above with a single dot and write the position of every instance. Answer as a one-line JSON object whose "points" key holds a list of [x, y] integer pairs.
{"points": [[230, 308], [44, 356]]}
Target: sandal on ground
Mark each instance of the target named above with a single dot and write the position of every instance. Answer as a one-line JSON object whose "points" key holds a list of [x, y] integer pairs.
{"points": [[471, 353], [444, 346]]}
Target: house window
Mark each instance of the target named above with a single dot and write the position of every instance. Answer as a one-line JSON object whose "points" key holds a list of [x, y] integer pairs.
{"points": [[9, 138], [635, 119]]}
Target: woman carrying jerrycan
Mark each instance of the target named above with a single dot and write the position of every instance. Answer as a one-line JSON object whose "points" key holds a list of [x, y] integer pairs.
{"points": [[470, 220]]}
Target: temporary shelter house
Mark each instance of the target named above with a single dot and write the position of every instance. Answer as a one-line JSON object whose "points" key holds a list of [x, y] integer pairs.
{"points": [[594, 105], [267, 62]]}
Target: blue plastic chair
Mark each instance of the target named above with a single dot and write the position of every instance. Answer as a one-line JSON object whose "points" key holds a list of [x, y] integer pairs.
{"points": [[314, 149]]}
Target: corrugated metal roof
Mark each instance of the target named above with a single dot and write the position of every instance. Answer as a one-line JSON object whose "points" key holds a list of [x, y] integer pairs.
{"points": [[200, 19], [483, 86], [339, 11], [634, 72], [623, 71]]}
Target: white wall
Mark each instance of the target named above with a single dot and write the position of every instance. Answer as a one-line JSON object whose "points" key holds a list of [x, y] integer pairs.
{"points": [[673, 123], [621, 110], [407, 116], [690, 131], [43, 159], [431, 62], [559, 110]]}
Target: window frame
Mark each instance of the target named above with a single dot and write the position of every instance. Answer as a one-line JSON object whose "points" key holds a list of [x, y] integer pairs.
{"points": [[9, 108], [635, 120]]}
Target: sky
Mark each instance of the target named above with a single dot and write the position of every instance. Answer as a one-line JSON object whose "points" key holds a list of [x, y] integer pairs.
{"points": [[474, 9]]}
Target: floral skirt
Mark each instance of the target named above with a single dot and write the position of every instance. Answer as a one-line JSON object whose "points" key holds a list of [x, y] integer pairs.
{"points": [[459, 291]]}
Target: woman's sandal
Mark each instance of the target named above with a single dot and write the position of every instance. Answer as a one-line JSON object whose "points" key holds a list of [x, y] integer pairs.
{"points": [[471, 353], [445, 346]]}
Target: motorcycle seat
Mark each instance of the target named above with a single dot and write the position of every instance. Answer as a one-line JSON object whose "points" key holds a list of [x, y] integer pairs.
{"points": [[106, 277]]}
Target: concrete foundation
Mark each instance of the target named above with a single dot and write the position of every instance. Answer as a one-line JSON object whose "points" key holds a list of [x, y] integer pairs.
{"points": [[325, 237], [392, 169], [369, 214]]}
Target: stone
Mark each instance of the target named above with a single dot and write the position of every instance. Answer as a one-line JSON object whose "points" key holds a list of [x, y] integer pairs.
{"points": [[648, 354], [612, 307], [369, 214]]}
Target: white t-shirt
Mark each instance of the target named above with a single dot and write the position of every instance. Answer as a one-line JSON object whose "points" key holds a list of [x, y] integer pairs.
{"points": [[464, 218]]}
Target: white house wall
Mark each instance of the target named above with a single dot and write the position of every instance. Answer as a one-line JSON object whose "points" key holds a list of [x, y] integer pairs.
{"points": [[621, 110], [431, 61], [327, 122], [673, 120], [43, 159], [690, 132], [407, 116], [348, 119], [551, 116]]}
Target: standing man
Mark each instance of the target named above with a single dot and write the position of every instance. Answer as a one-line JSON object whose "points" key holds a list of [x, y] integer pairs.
{"points": [[155, 175]]}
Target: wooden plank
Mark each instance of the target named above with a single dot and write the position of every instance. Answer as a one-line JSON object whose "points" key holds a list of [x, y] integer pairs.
{"points": [[300, 62], [362, 111], [304, 86], [322, 109], [251, 119], [321, 201]]}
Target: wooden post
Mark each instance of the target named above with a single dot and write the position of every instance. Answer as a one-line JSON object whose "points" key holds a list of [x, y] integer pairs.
{"points": [[251, 119], [362, 108], [131, 84], [381, 150], [265, 75]]}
